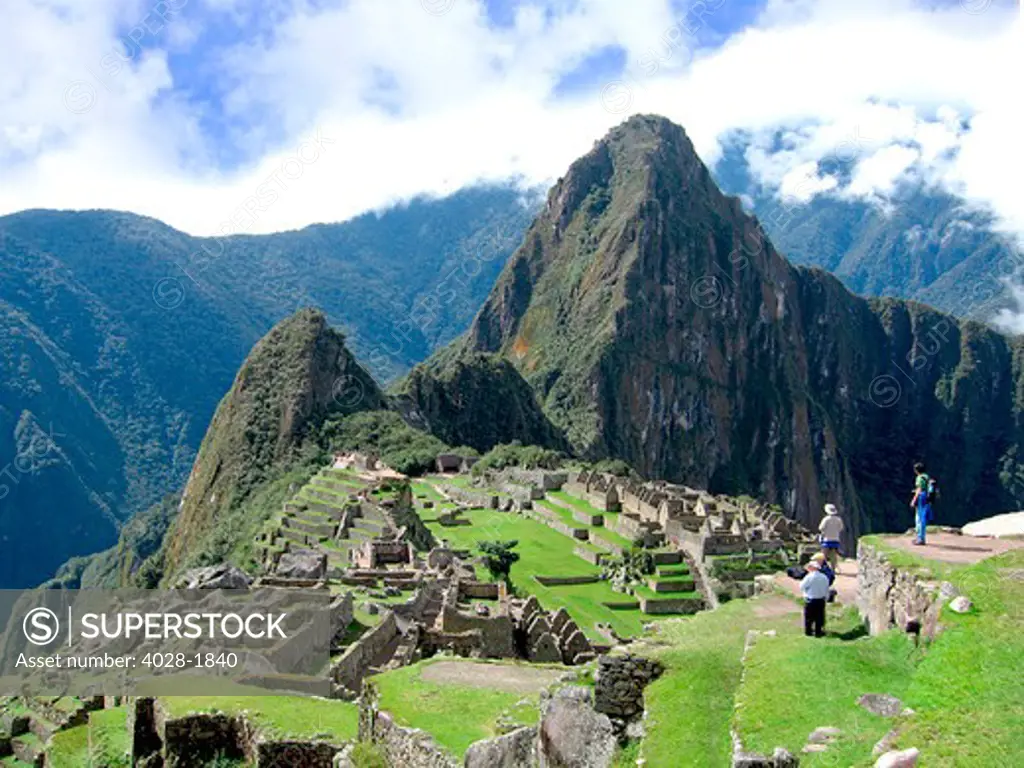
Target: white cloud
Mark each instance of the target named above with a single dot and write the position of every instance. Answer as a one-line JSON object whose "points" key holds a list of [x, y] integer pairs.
{"points": [[423, 103]]}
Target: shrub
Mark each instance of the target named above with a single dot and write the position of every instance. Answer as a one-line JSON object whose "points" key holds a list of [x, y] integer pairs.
{"points": [[499, 557], [518, 455], [366, 754], [401, 447]]}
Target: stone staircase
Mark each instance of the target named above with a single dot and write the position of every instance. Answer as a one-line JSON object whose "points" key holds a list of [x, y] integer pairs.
{"points": [[332, 513], [28, 724]]}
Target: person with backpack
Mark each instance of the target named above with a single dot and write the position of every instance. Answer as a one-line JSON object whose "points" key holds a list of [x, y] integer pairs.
{"points": [[925, 488], [831, 531]]}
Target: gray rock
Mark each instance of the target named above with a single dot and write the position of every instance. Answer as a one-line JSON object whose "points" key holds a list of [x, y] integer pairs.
{"points": [[822, 735], [513, 750], [881, 704], [960, 604], [222, 576], [906, 758], [884, 744], [343, 759], [572, 734], [782, 758], [948, 590], [303, 564], [811, 748]]}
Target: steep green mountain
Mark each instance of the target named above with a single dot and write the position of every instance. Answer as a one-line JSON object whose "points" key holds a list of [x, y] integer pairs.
{"points": [[295, 378], [922, 243], [479, 400], [655, 324], [118, 336]]}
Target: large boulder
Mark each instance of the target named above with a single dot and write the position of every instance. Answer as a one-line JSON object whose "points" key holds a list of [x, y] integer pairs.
{"points": [[572, 734], [881, 704], [222, 576], [906, 758], [302, 564], [513, 750]]}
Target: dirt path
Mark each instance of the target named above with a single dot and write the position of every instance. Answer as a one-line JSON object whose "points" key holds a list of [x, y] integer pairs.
{"points": [[514, 678], [951, 548], [773, 606]]}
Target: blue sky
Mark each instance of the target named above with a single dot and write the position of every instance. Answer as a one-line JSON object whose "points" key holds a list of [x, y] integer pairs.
{"points": [[189, 119]]}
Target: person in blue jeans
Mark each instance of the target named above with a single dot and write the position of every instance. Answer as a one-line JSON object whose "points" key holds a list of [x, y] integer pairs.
{"points": [[920, 503]]}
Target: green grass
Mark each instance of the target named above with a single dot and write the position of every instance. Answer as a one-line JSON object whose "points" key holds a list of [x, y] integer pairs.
{"points": [[689, 708], [964, 687], [832, 673], [456, 716], [279, 716], [546, 552], [70, 748], [581, 504], [110, 743], [595, 530], [420, 487]]}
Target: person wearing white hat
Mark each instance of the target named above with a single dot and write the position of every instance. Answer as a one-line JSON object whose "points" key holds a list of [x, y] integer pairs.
{"points": [[831, 530], [814, 587]]}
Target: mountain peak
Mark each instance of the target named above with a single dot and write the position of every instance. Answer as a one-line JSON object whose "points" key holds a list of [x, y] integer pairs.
{"points": [[296, 376]]}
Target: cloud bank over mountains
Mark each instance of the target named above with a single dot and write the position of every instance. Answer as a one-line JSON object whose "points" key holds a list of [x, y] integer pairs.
{"points": [[223, 116]]}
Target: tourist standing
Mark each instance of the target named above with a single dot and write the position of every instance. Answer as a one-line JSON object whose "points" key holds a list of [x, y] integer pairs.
{"points": [[814, 587], [831, 530], [920, 502]]}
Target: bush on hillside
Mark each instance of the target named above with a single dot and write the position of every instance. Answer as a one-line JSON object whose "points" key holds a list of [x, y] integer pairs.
{"points": [[398, 445], [518, 455]]}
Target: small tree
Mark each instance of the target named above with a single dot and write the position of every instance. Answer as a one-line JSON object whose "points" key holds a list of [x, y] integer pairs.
{"points": [[499, 557]]}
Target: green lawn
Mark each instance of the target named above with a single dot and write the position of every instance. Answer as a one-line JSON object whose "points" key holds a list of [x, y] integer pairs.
{"points": [[965, 687], [586, 506], [70, 748], [281, 716], [690, 707], [542, 550], [599, 530], [456, 716], [547, 552], [832, 673]]}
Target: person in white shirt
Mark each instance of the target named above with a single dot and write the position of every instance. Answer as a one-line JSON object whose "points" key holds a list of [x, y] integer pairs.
{"points": [[831, 530], [814, 587]]}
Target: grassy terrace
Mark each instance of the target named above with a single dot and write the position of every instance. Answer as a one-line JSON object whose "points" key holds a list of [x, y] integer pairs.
{"points": [[586, 506], [455, 715], [546, 552], [103, 741], [595, 530], [690, 708], [965, 687], [278, 716]]}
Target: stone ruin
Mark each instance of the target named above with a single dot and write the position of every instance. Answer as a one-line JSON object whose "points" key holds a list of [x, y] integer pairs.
{"points": [[381, 553]]}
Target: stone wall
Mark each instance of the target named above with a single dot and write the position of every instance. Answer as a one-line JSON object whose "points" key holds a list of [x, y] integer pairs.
{"points": [[406, 747], [481, 590], [471, 497], [890, 597], [513, 750], [555, 581], [349, 669], [201, 738], [495, 631], [589, 555], [619, 684]]}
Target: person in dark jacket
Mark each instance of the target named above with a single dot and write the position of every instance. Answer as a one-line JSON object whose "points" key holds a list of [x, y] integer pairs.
{"points": [[825, 568]]}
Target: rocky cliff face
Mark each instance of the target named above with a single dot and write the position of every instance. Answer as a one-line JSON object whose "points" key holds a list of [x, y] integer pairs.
{"points": [[297, 376], [656, 323], [475, 399]]}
